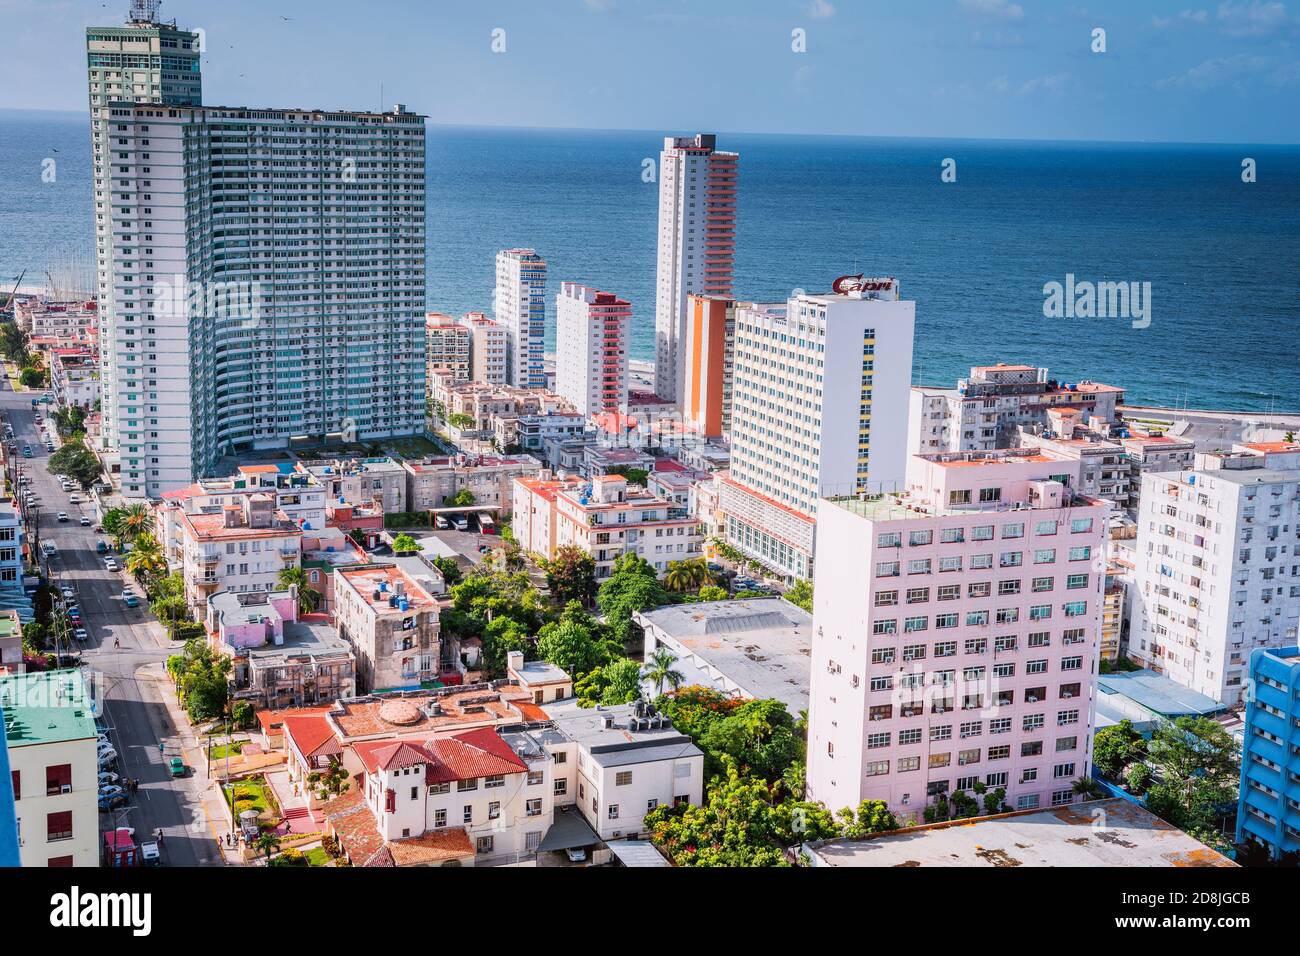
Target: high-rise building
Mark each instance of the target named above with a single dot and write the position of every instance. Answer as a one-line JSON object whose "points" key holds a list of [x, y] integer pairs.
{"points": [[147, 61], [591, 348], [488, 347], [1216, 572], [1270, 787], [697, 244], [955, 636], [234, 332], [447, 348], [819, 406], [710, 335], [520, 308]]}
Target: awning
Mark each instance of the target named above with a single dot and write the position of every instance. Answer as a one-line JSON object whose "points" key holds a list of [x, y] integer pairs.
{"points": [[637, 853], [568, 831]]}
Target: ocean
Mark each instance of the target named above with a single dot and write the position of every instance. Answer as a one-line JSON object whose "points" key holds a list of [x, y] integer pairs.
{"points": [[1222, 256]]}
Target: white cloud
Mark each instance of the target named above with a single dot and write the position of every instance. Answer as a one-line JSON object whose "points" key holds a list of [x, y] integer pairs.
{"points": [[1001, 9], [821, 9], [1256, 20], [1236, 71]]}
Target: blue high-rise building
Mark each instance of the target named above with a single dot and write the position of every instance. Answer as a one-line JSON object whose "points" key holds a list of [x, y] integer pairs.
{"points": [[1269, 805]]}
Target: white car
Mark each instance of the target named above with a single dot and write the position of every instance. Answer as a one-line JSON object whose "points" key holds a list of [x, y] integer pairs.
{"points": [[110, 565], [84, 521], [81, 634], [107, 777], [75, 498], [106, 757], [62, 516]]}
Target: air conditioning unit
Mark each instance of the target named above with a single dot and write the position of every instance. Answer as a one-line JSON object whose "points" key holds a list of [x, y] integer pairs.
{"points": [[65, 788]]}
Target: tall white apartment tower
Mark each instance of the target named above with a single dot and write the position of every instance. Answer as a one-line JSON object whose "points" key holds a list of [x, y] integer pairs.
{"points": [[591, 348], [697, 244], [147, 61], [520, 308], [237, 332], [1217, 573], [819, 405]]}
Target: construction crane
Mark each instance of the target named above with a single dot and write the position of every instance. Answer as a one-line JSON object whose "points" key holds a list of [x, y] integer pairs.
{"points": [[9, 303]]}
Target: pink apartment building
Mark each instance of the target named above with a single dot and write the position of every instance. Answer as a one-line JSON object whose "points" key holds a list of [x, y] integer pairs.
{"points": [[591, 342], [956, 630]]}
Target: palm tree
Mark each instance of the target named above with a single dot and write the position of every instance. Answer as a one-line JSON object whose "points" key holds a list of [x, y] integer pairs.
{"points": [[146, 559], [660, 670], [136, 519], [1087, 788], [308, 596], [267, 842]]}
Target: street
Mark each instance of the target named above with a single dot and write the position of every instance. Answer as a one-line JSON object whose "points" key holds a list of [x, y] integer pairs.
{"points": [[130, 681]]}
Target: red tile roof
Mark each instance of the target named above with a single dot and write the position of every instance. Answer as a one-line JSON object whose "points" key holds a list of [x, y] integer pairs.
{"points": [[358, 833], [432, 846], [312, 735], [274, 719], [391, 754]]}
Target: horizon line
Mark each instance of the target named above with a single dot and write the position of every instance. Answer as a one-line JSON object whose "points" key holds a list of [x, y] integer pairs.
{"points": [[70, 113]]}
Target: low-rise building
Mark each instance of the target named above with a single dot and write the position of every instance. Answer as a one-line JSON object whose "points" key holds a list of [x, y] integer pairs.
{"points": [[533, 507], [361, 481], [1154, 453], [751, 649], [431, 482], [11, 642], [608, 519], [49, 729], [74, 378], [619, 763], [532, 432], [391, 623], [243, 547], [1100, 833], [280, 659], [489, 349], [323, 552], [603, 459]]}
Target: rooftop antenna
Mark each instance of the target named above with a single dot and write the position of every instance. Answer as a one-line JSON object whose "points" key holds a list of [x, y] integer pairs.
{"points": [[144, 11]]}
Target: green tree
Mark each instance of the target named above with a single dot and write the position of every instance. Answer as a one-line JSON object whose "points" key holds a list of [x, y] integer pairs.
{"points": [[1198, 773], [308, 596], [460, 421], [571, 575], [1137, 778], [1116, 746], [633, 586], [450, 570], [759, 735], [501, 636], [461, 499], [574, 642], [618, 682], [1087, 788], [201, 679], [76, 461], [634, 476], [267, 843], [136, 519], [32, 377], [801, 595], [686, 575], [330, 782], [659, 670], [711, 592], [405, 544], [146, 559], [871, 816]]}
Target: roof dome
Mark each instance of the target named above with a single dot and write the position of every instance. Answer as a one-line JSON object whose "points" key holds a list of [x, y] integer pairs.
{"points": [[399, 712]]}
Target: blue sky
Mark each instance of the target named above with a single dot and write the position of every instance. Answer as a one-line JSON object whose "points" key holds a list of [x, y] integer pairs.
{"points": [[1172, 71]]}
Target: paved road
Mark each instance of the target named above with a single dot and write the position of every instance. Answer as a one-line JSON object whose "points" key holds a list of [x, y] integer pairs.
{"points": [[131, 680]]}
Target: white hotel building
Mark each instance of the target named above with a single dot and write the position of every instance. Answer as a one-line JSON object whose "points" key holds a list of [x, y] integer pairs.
{"points": [[955, 635], [819, 406], [1218, 566]]}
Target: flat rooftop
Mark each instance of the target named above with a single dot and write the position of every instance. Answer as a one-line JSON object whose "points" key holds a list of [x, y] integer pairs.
{"points": [[1157, 693], [763, 644], [619, 742], [46, 707], [315, 638], [1110, 832]]}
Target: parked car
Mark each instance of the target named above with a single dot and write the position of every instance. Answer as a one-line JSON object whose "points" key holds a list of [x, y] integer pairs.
{"points": [[81, 634], [75, 498], [107, 757], [150, 853], [106, 777], [109, 789], [67, 592], [111, 801], [27, 451], [176, 767], [61, 516], [131, 601], [100, 546], [84, 521], [111, 564], [49, 548]]}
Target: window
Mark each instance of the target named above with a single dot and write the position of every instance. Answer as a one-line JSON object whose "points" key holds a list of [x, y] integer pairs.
{"points": [[1032, 721], [439, 818], [58, 779], [464, 785], [1043, 584], [496, 780], [1013, 530], [949, 592], [1071, 663], [1045, 556], [560, 756], [1032, 749], [886, 598], [906, 764], [1066, 743], [1062, 770], [561, 787], [909, 736], [877, 768], [1080, 554], [990, 494], [1067, 717], [1045, 527], [878, 740], [436, 789], [535, 777], [1074, 582], [1028, 801], [58, 826], [484, 844], [623, 778], [941, 733], [468, 814], [980, 589]]}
